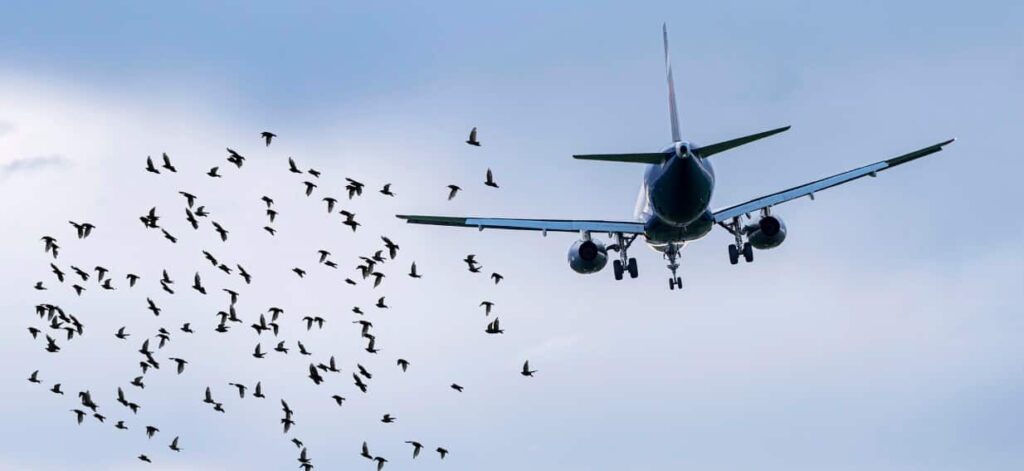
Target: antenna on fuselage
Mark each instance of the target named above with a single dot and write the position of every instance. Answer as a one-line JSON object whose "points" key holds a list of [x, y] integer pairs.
{"points": [[673, 114]]}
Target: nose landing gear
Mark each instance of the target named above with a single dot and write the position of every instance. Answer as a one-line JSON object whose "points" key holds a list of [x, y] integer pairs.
{"points": [[672, 254]]}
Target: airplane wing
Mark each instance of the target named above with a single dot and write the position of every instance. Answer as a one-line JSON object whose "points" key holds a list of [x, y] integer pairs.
{"points": [[544, 225], [810, 189]]}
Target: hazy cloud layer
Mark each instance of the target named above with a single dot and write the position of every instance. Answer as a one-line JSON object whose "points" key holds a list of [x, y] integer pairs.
{"points": [[29, 164], [884, 334]]}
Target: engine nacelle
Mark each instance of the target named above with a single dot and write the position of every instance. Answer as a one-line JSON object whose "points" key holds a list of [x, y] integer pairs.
{"points": [[768, 232], [588, 256]]}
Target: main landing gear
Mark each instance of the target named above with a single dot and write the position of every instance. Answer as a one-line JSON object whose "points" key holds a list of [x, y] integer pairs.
{"points": [[741, 247], [672, 254], [624, 263]]}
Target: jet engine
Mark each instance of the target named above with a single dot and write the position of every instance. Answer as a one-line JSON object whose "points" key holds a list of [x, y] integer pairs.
{"points": [[588, 256], [768, 232]]}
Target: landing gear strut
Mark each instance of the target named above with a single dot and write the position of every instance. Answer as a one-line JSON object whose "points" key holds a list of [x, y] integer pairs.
{"points": [[672, 254], [741, 247], [624, 263]]}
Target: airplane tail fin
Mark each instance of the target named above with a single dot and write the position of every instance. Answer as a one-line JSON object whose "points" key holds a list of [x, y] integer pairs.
{"points": [[673, 113], [709, 150]]}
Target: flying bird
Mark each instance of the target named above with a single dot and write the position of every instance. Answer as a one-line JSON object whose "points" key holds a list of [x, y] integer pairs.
{"points": [[412, 271], [452, 191], [457, 387], [213, 172], [267, 137], [443, 452], [167, 164], [150, 167], [416, 446], [489, 181], [386, 190], [497, 277], [235, 158], [472, 138], [292, 167]]}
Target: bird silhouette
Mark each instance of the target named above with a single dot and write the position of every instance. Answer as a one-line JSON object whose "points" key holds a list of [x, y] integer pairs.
{"points": [[457, 387], [34, 377], [309, 187], [416, 446], [497, 277], [267, 137], [167, 164], [386, 190], [489, 180], [292, 167], [213, 172], [487, 305], [150, 167], [235, 158], [443, 452], [526, 369], [174, 445], [452, 191], [472, 138], [493, 327]]}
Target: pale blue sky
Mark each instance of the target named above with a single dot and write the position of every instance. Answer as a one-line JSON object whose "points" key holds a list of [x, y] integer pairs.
{"points": [[884, 334]]}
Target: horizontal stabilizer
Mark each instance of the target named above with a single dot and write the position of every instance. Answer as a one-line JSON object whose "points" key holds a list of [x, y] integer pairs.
{"points": [[652, 158], [709, 150]]}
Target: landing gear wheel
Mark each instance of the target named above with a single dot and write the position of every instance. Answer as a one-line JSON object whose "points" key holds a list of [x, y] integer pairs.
{"points": [[674, 283], [631, 267], [734, 254], [617, 268], [748, 252]]}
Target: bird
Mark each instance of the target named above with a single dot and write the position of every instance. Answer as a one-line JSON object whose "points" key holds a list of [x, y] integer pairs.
{"points": [[416, 446], [83, 230], [56, 389], [198, 284], [181, 364], [330, 203], [314, 172], [457, 387], [487, 307], [132, 279], [302, 349], [174, 444], [151, 430], [472, 138], [186, 327], [191, 218], [56, 271], [34, 377], [167, 164], [153, 307], [145, 458], [213, 173], [338, 399], [386, 190], [220, 230], [235, 158], [270, 230], [365, 453], [497, 277], [359, 382], [120, 425], [292, 167], [168, 236], [315, 375], [190, 199], [299, 271], [380, 303], [526, 369], [51, 345], [241, 389], [388, 418], [245, 275], [258, 391], [309, 187], [79, 415], [257, 353], [412, 271], [391, 246], [150, 167], [380, 462], [452, 191], [489, 181], [34, 331], [39, 286], [494, 328], [443, 452], [267, 137]]}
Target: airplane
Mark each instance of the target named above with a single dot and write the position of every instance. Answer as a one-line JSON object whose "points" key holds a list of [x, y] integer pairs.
{"points": [[673, 206]]}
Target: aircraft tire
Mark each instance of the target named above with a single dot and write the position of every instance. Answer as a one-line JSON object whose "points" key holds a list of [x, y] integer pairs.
{"points": [[748, 252], [617, 269], [734, 254], [633, 272]]}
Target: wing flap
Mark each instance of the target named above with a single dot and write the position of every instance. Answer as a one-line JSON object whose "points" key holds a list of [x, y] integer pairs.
{"points": [[824, 183], [554, 225]]}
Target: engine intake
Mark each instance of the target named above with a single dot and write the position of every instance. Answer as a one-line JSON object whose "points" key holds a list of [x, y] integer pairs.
{"points": [[588, 256], [767, 233]]}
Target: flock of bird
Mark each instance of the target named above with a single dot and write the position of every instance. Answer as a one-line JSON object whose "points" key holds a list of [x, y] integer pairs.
{"points": [[56, 322]]}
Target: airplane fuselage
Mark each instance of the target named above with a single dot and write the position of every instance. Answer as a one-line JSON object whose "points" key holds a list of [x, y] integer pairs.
{"points": [[675, 197]]}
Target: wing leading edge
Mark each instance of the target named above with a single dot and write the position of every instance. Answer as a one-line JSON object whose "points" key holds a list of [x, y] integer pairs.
{"points": [[544, 225], [825, 183]]}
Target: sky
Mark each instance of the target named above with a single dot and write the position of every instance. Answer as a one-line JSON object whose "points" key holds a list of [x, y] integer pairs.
{"points": [[883, 334]]}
